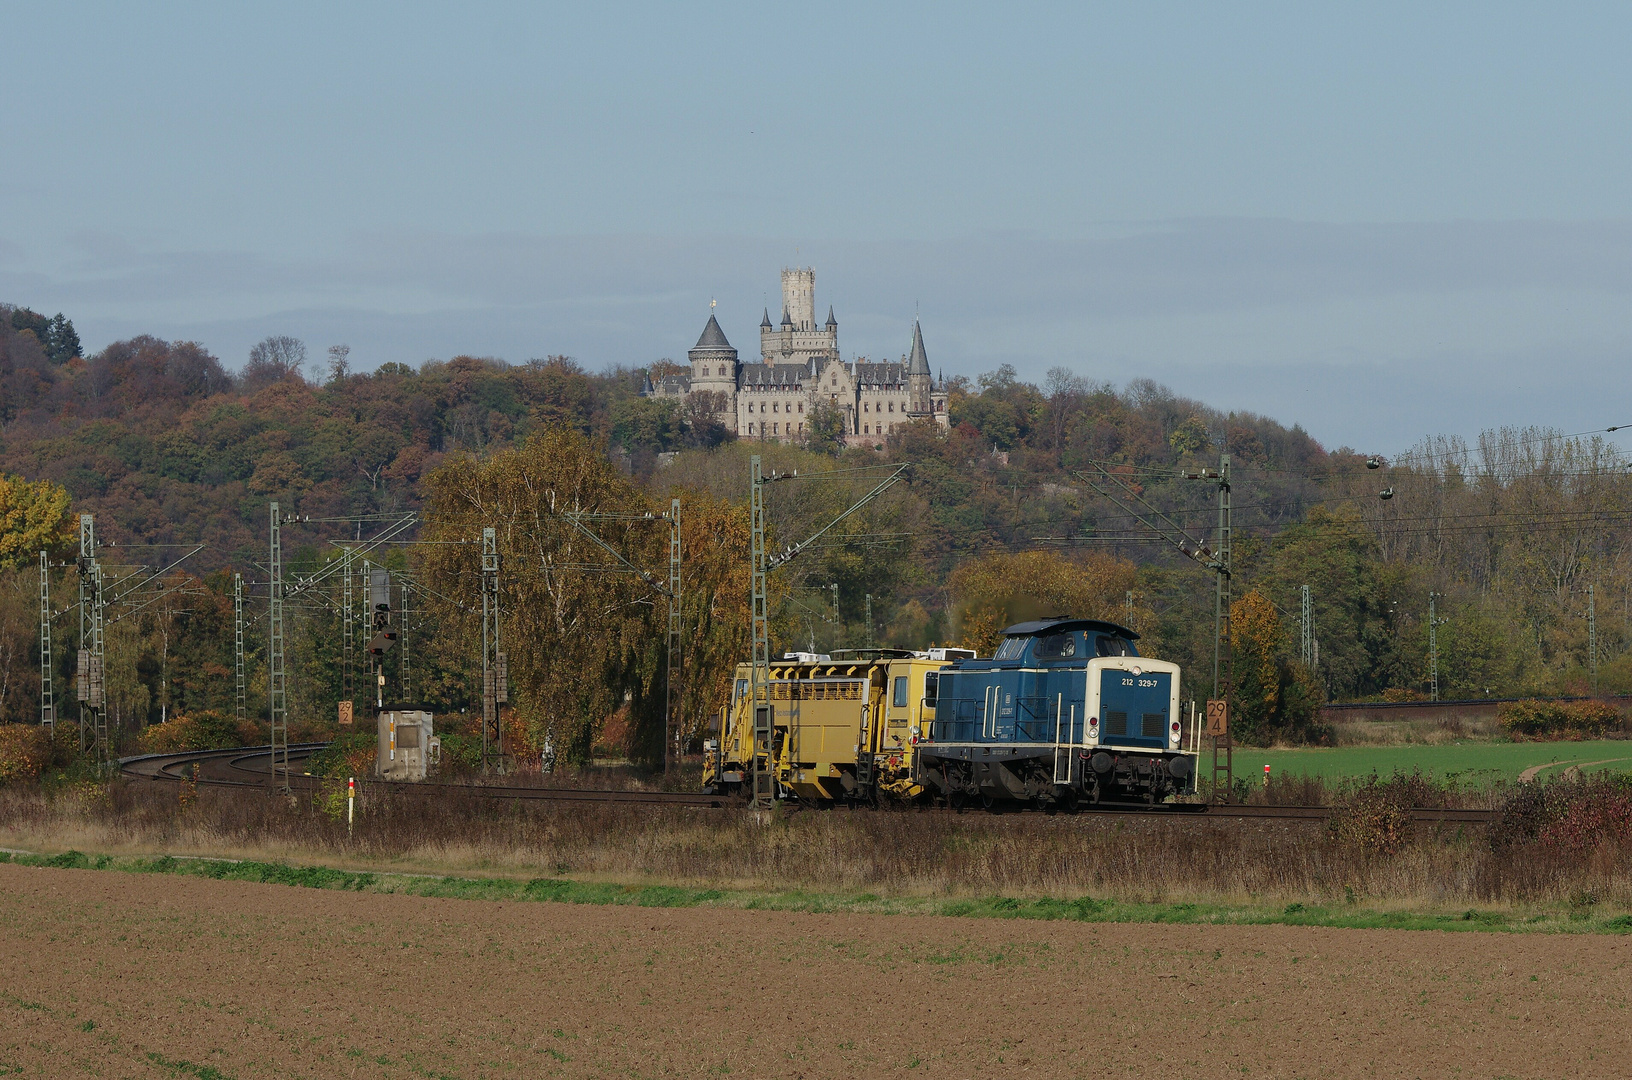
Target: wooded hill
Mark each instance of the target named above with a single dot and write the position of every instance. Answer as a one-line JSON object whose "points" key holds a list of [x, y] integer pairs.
{"points": [[166, 447]]}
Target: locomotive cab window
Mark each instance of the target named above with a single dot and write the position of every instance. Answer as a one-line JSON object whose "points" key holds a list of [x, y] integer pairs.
{"points": [[932, 688], [1057, 646], [899, 700], [1106, 645], [1012, 648]]}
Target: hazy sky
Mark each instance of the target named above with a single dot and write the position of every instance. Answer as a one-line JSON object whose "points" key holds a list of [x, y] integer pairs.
{"points": [[1380, 221]]}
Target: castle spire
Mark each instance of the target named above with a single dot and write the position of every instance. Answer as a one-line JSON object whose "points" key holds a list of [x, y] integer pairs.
{"points": [[713, 337], [917, 360]]}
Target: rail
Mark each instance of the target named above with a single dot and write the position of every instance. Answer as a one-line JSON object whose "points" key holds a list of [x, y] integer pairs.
{"points": [[237, 767]]}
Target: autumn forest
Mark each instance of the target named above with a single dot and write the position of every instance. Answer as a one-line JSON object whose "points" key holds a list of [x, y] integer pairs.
{"points": [[1514, 538]]}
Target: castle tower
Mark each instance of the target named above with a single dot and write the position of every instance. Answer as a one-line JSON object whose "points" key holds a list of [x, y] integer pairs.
{"points": [[714, 367], [919, 380], [798, 339], [799, 296]]}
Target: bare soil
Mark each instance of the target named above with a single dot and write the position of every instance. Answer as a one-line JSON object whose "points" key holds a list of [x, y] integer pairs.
{"points": [[118, 975]]}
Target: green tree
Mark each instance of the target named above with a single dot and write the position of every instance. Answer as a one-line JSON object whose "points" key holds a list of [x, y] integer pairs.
{"points": [[1274, 698], [1190, 437], [996, 591], [33, 517], [826, 432], [61, 340]]}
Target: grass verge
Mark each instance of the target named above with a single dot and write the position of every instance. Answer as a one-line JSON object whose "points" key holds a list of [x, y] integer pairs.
{"points": [[1472, 763], [1578, 919]]}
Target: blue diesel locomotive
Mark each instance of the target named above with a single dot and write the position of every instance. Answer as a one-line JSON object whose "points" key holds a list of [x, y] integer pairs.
{"points": [[1066, 710]]}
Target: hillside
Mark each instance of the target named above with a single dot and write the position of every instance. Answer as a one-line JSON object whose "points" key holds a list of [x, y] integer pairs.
{"points": [[166, 447]]}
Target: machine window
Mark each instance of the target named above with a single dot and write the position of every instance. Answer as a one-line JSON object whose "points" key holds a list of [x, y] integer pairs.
{"points": [[900, 699], [1112, 646], [1057, 645], [932, 688], [1011, 649]]}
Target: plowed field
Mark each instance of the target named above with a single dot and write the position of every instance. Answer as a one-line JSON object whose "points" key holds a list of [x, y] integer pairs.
{"points": [[113, 974]]}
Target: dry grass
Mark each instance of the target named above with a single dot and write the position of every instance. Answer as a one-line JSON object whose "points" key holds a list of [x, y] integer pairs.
{"points": [[887, 853], [1413, 732]]}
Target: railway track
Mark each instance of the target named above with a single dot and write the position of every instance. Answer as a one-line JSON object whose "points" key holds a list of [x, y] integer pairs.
{"points": [[250, 767]]}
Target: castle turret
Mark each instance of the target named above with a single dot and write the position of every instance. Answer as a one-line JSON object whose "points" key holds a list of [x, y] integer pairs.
{"points": [[919, 379], [714, 368]]}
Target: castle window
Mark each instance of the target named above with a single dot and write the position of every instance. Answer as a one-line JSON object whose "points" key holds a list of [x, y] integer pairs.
{"points": [[866, 407], [865, 430], [801, 409], [774, 407], [892, 406], [776, 429]]}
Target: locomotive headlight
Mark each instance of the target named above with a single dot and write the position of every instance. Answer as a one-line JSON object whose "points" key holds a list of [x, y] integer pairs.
{"points": [[1173, 733]]}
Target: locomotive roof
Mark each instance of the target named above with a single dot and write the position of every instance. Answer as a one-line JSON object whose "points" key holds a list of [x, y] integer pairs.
{"points": [[1058, 624]]}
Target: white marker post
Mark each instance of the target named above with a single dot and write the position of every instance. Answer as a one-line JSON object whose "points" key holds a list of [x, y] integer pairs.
{"points": [[351, 803]]}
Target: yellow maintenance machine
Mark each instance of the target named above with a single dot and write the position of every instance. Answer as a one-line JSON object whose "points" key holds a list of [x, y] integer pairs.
{"points": [[845, 727]]}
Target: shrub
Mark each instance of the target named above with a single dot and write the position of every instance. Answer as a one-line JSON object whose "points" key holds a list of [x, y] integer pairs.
{"points": [[1376, 816], [1568, 813], [460, 753], [25, 751], [202, 730], [350, 754], [1537, 720]]}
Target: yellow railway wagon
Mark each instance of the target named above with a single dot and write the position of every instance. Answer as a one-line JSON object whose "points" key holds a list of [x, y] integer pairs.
{"points": [[843, 727]]}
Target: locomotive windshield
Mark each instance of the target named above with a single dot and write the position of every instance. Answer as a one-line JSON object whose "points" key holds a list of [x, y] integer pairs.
{"points": [[1013, 648], [1106, 645]]}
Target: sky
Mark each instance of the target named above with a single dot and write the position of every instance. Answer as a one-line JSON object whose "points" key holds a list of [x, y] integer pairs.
{"points": [[1379, 221]]}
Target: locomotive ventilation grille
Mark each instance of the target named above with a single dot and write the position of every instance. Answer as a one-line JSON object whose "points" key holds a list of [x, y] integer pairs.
{"points": [[814, 690], [1116, 722], [1153, 725]]}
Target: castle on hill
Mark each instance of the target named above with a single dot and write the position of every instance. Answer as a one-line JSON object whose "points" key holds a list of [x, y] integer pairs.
{"points": [[800, 369]]}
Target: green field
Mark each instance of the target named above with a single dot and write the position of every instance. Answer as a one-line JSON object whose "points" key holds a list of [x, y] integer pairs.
{"points": [[1468, 763]]}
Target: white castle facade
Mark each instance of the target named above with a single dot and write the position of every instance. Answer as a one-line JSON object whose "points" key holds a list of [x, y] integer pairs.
{"points": [[799, 370]]}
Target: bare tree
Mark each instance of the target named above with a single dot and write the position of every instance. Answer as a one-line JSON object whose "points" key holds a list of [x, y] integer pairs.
{"points": [[1065, 394], [338, 367], [277, 358]]}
